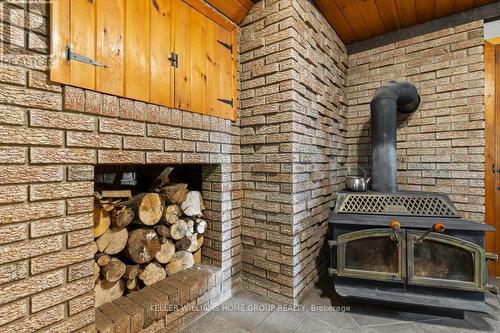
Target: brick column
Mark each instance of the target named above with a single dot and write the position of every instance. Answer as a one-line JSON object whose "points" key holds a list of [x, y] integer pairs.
{"points": [[293, 67]]}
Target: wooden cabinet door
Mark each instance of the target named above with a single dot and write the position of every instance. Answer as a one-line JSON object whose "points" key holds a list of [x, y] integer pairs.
{"points": [[137, 49], [110, 31], [198, 52], [162, 80], [224, 69], [182, 42], [83, 26]]}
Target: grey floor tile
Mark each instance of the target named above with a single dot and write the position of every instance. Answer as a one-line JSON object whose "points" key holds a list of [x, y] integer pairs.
{"points": [[447, 325], [245, 310], [391, 328], [280, 322], [370, 315], [334, 318], [211, 323], [315, 298], [483, 322], [414, 316], [309, 325]]}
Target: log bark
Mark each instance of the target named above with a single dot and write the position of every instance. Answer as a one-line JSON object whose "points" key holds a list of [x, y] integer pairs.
{"points": [[132, 284], [200, 225], [142, 245], [197, 257], [106, 292], [131, 271], [193, 205], [199, 240], [116, 194], [123, 217], [148, 208], [102, 259], [171, 214], [114, 270], [181, 260], [175, 193], [162, 230], [102, 222], [152, 273], [166, 253], [112, 241], [193, 243], [179, 230], [184, 243], [190, 224]]}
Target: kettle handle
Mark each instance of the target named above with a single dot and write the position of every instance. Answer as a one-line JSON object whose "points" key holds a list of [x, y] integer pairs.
{"points": [[359, 168]]}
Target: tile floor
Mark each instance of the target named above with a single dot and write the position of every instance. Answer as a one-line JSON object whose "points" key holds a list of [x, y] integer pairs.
{"points": [[313, 316]]}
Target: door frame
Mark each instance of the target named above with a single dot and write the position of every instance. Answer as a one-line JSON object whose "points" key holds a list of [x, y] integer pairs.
{"points": [[492, 238]]}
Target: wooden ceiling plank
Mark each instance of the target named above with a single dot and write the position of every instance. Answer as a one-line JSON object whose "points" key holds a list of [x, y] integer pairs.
{"points": [[388, 13], [248, 4], [461, 5], [337, 20], [406, 13], [350, 11], [371, 16], [444, 8], [424, 10]]}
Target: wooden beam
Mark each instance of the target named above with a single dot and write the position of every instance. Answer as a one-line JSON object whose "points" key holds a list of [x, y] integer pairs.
{"points": [[489, 133], [202, 7]]}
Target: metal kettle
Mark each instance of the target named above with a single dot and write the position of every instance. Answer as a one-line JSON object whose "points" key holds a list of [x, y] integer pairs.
{"points": [[357, 183]]}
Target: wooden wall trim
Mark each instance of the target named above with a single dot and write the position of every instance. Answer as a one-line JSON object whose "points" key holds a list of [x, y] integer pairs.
{"points": [[211, 13], [484, 12], [489, 176]]}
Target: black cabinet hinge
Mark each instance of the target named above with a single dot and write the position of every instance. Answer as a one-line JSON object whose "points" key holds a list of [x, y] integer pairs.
{"points": [[70, 55], [174, 59], [226, 101], [226, 45]]}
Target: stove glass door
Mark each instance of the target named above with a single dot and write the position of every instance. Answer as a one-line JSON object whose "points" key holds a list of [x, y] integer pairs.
{"points": [[443, 261], [375, 254]]}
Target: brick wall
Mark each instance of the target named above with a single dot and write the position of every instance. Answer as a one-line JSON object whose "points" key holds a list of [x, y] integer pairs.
{"points": [[293, 68], [50, 139], [441, 146]]}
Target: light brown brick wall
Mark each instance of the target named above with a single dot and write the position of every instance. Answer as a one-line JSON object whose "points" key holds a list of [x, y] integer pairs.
{"points": [[441, 146], [293, 68], [50, 139]]}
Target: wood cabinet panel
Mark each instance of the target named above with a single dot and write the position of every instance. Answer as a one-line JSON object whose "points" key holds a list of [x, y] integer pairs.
{"points": [[211, 63], [60, 38], [137, 49], [224, 57], [162, 89], [83, 25], [182, 42], [198, 51], [110, 21]]}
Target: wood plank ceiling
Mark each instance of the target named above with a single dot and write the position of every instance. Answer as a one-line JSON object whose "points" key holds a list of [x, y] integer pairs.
{"points": [[235, 10], [357, 20]]}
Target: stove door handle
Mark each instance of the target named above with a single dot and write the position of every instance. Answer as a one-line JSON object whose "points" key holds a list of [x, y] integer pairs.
{"points": [[491, 256]]}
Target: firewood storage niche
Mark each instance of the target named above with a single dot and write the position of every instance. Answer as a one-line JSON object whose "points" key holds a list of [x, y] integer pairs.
{"points": [[149, 223]]}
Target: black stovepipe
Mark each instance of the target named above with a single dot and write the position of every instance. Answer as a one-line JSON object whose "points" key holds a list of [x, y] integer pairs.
{"points": [[386, 102]]}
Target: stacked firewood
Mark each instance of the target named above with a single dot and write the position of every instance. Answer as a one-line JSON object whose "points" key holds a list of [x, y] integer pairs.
{"points": [[143, 238]]}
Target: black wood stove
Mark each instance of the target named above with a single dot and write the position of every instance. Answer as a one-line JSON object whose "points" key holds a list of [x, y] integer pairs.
{"points": [[409, 248]]}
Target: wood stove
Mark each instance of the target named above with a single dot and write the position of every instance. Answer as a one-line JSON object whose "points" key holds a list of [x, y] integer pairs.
{"points": [[410, 248], [393, 251]]}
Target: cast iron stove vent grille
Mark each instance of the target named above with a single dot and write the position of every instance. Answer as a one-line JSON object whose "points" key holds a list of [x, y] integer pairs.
{"points": [[400, 204]]}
